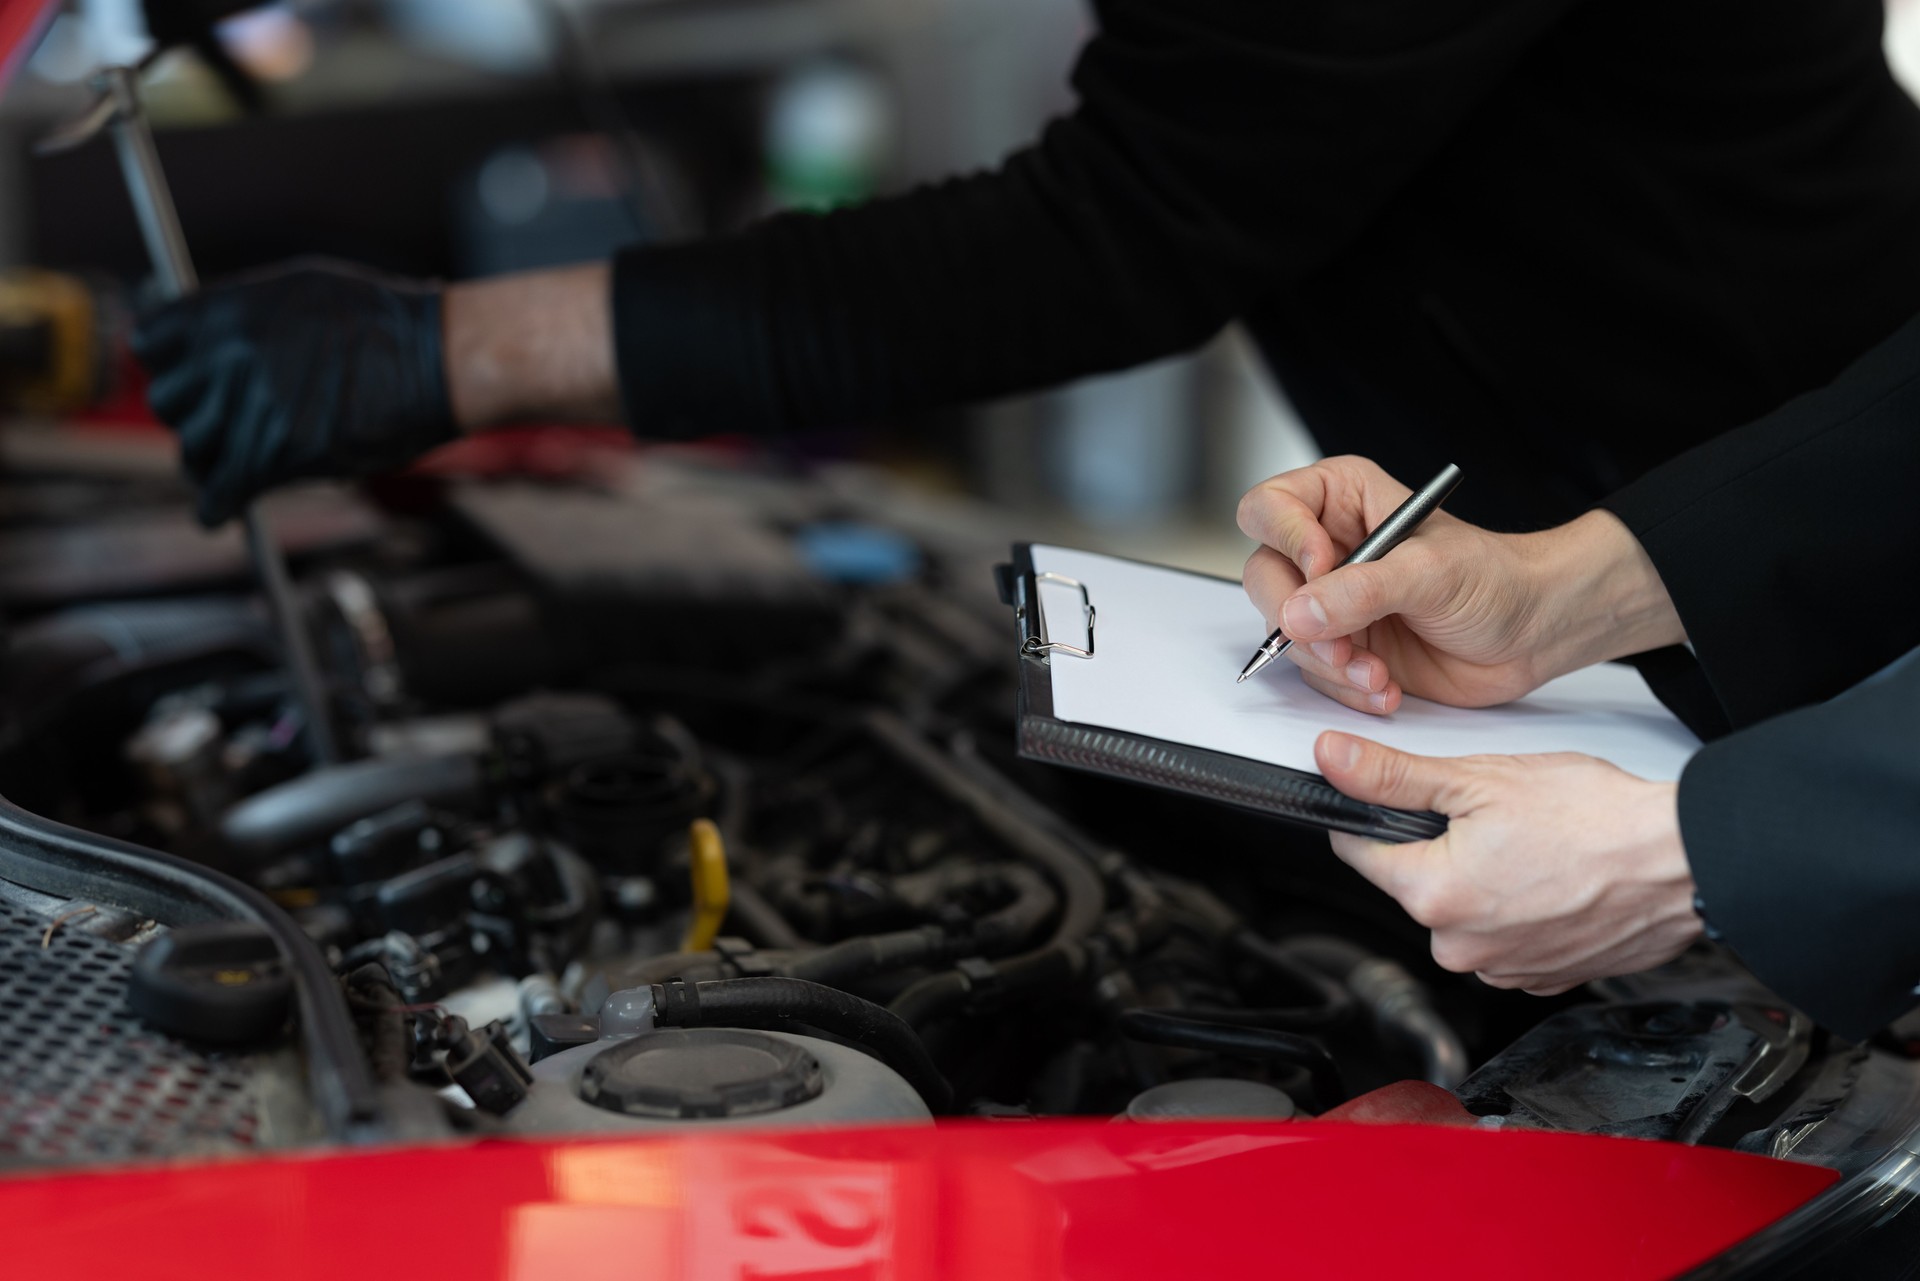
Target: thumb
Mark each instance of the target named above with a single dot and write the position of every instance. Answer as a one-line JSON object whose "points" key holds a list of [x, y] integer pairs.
{"points": [[1380, 775], [1351, 597]]}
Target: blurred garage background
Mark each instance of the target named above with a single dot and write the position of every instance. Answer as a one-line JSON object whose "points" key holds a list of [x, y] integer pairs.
{"points": [[458, 138]]}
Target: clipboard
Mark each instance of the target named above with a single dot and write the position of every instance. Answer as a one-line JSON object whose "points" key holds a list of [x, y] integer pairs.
{"points": [[1127, 669], [1291, 795]]}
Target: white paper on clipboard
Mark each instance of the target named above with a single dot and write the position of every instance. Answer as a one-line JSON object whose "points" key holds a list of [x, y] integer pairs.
{"points": [[1168, 645]]}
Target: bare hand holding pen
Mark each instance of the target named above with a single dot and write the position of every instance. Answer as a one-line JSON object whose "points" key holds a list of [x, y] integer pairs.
{"points": [[1456, 614], [1554, 869]]}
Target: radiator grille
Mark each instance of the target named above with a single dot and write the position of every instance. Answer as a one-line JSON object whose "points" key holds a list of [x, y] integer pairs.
{"points": [[82, 1079]]}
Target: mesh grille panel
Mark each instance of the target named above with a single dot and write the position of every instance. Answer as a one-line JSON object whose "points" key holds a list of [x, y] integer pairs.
{"points": [[81, 1078]]}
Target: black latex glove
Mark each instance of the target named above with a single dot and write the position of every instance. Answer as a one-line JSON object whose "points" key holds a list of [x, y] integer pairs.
{"points": [[312, 369]]}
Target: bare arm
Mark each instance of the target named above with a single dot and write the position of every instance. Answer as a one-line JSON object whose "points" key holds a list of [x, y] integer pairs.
{"points": [[534, 347]]}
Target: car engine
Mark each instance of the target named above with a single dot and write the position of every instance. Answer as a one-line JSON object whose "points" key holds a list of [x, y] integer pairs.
{"points": [[676, 791]]}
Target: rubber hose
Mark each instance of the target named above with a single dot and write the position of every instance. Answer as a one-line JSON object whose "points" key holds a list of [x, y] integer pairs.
{"points": [[1399, 1003], [1300, 1018], [749, 912], [1084, 897], [310, 808], [1032, 899], [795, 1005], [1334, 1004], [939, 994], [860, 958], [992, 934], [1264, 1045]]}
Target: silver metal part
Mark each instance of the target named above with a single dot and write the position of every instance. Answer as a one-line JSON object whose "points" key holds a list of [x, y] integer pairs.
{"points": [[541, 994], [1403, 1011], [1262, 656], [380, 676], [121, 112], [1040, 642]]}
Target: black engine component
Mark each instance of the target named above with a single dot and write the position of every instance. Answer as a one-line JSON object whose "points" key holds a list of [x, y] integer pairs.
{"points": [[315, 806], [485, 1065], [222, 983], [1650, 1070], [619, 810], [884, 916]]}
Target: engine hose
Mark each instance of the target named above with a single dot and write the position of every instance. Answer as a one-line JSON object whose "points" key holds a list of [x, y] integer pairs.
{"points": [[1301, 1018], [859, 958], [998, 807], [1083, 896], [1031, 899], [319, 803], [1399, 1004], [1264, 1045], [795, 1005], [1333, 1003], [939, 995], [992, 934], [749, 912]]}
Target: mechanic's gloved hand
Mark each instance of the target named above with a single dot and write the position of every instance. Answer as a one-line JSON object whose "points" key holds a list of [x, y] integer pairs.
{"points": [[312, 369]]}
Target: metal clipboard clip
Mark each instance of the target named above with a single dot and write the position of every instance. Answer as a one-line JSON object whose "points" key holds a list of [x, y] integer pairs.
{"points": [[1040, 643]]}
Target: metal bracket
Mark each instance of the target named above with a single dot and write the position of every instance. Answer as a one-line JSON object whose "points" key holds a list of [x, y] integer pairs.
{"points": [[1041, 643]]}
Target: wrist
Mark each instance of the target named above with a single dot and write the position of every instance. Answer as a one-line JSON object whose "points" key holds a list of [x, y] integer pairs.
{"points": [[1656, 822], [530, 347], [473, 365], [1598, 596]]}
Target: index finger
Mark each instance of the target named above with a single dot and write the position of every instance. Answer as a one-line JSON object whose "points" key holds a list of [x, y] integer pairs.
{"points": [[1284, 513]]}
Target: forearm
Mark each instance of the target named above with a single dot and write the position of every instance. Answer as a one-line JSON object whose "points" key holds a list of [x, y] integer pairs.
{"points": [[531, 347], [1597, 596]]}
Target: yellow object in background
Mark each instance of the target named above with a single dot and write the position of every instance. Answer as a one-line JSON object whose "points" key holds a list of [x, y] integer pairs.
{"points": [[707, 863], [51, 353]]}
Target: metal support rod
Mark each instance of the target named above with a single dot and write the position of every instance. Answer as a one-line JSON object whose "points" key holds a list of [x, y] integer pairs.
{"points": [[173, 266]]}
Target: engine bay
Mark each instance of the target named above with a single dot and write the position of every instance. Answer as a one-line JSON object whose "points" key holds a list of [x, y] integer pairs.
{"points": [[680, 792]]}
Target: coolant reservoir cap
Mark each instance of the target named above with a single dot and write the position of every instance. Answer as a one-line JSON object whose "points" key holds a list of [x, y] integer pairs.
{"points": [[682, 1074]]}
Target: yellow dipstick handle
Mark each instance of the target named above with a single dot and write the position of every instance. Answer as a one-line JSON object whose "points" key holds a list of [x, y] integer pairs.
{"points": [[707, 862]]}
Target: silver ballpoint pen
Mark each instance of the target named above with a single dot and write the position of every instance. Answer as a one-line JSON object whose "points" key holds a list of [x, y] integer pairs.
{"points": [[1392, 531]]}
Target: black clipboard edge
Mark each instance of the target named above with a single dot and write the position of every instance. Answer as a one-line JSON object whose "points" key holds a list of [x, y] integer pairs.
{"points": [[1273, 790]]}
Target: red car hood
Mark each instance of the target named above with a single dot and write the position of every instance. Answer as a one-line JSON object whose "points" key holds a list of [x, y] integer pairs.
{"points": [[1011, 1201], [21, 22]]}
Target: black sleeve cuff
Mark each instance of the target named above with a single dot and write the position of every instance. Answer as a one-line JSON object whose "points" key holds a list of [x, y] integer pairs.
{"points": [[1801, 834]]}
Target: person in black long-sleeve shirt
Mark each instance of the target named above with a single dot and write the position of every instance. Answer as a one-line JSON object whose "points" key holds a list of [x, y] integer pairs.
{"points": [[1786, 554], [1555, 241]]}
